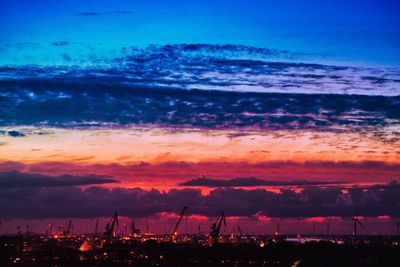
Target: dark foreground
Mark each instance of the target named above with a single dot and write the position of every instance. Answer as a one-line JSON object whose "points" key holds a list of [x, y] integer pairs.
{"points": [[15, 251]]}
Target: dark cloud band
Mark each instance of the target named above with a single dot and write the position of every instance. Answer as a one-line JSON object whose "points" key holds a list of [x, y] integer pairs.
{"points": [[64, 202], [16, 179], [89, 100], [252, 182]]}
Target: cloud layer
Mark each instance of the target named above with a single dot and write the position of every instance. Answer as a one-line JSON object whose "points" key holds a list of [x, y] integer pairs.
{"points": [[64, 202], [16, 179], [85, 99], [236, 68], [203, 86], [252, 182]]}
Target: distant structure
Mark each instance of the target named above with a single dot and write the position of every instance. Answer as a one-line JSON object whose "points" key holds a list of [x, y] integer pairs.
{"points": [[239, 230], [356, 221], [134, 230], [328, 228], [216, 226], [277, 229], [96, 228], [174, 232], [110, 226], [68, 231]]}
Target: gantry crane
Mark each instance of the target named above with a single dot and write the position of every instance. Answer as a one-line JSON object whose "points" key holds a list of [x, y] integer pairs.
{"points": [[69, 229]]}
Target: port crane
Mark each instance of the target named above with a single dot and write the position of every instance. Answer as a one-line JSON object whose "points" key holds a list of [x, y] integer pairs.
{"points": [[178, 222], [239, 230], [356, 221], [216, 227], [68, 231], [96, 228], [110, 226], [134, 230]]}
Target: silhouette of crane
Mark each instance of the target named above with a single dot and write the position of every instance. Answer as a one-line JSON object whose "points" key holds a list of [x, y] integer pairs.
{"points": [[239, 230], [356, 221], [328, 228], [96, 228], [68, 231], [110, 226], [50, 228], [178, 222], [216, 227], [134, 230], [277, 232]]}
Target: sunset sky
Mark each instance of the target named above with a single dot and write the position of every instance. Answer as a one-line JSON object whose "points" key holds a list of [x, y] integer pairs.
{"points": [[271, 111]]}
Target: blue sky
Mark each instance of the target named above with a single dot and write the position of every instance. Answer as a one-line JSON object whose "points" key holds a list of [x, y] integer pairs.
{"points": [[359, 32]]}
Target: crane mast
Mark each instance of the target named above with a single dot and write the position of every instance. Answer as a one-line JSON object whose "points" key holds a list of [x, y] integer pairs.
{"points": [[239, 230], [96, 228], [134, 230], [69, 229]]}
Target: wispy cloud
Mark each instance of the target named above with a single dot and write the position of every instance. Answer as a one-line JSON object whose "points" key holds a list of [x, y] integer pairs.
{"points": [[253, 182], [90, 13], [12, 133], [60, 43], [113, 97], [96, 13], [16, 179]]}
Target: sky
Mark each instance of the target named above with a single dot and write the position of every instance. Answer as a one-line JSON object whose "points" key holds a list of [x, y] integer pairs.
{"points": [[271, 111], [361, 32]]}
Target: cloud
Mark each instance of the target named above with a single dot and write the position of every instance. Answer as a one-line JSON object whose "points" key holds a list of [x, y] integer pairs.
{"points": [[65, 202], [15, 134], [204, 86], [90, 13], [12, 133], [60, 43], [66, 57], [178, 172], [252, 181], [96, 14], [241, 68], [107, 96], [17, 179]]}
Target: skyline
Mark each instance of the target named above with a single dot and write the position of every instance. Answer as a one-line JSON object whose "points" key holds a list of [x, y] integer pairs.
{"points": [[271, 112]]}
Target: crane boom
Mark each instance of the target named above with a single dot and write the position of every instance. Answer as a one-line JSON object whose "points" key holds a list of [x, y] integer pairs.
{"points": [[179, 220], [216, 227], [110, 226]]}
